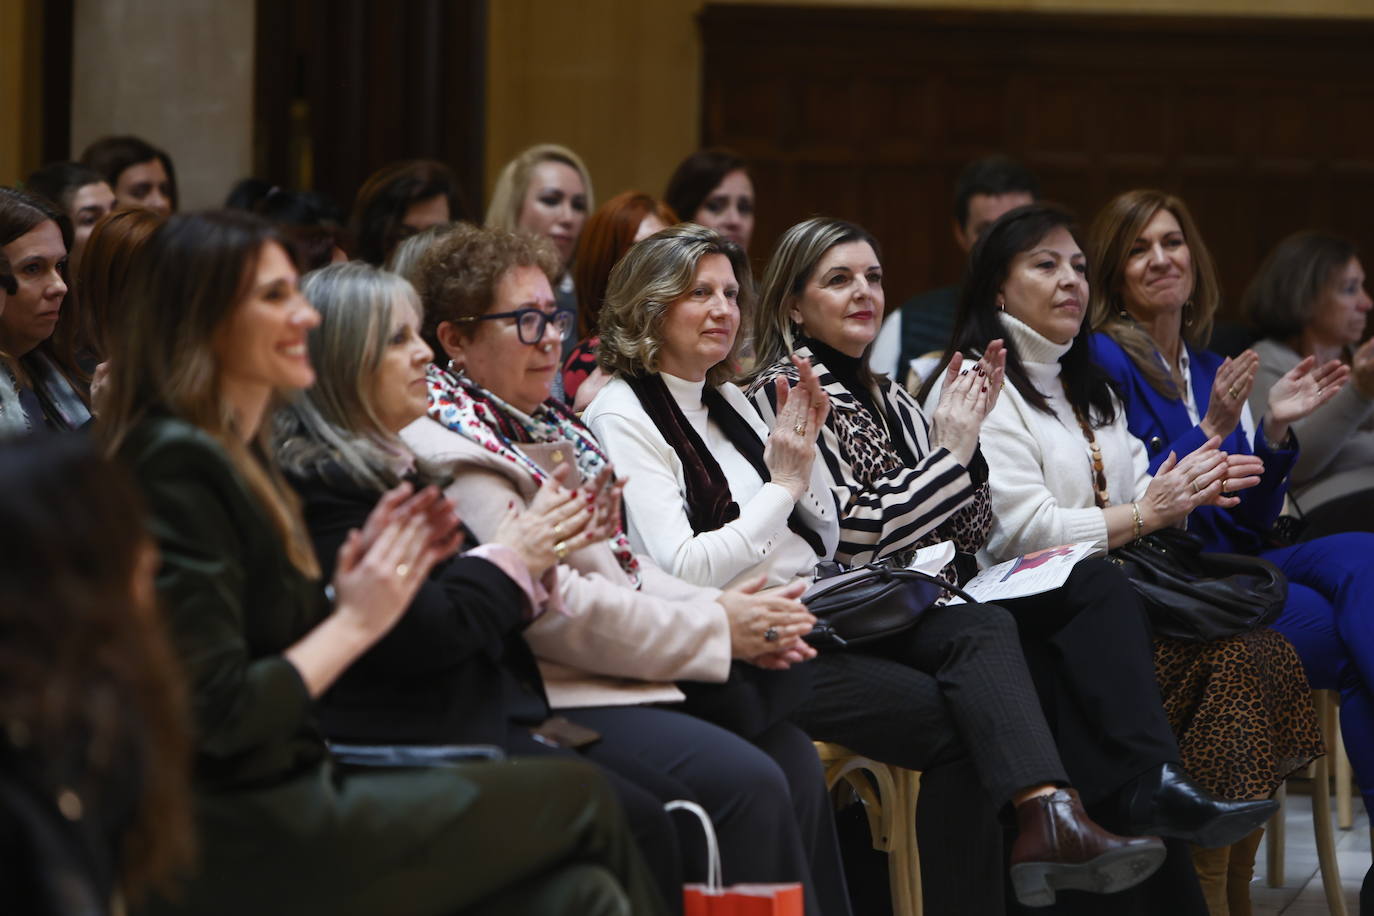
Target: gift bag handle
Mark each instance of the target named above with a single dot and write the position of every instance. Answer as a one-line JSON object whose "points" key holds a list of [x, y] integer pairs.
{"points": [[713, 877]]}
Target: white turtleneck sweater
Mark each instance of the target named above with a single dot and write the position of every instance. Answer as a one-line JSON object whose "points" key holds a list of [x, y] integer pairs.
{"points": [[1040, 467], [758, 542]]}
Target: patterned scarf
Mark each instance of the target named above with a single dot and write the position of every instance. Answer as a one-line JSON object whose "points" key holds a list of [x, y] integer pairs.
{"points": [[466, 408]]}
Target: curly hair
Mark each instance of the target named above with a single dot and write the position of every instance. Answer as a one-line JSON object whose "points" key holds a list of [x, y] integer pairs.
{"points": [[654, 274], [457, 277], [88, 683]]}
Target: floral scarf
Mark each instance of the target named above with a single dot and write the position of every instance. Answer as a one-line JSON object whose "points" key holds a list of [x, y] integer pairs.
{"points": [[466, 408]]}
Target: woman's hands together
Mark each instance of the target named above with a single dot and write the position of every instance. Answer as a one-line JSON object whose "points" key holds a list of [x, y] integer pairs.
{"points": [[1207, 476], [756, 613], [966, 398], [1300, 391], [791, 446], [557, 522], [1231, 388]]}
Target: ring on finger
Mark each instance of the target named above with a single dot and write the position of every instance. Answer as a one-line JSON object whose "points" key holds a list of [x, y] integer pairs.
{"points": [[1233, 392], [800, 428], [770, 634], [1196, 488], [560, 549], [558, 530], [402, 570]]}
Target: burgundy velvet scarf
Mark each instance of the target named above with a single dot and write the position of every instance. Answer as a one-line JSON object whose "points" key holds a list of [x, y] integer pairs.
{"points": [[710, 504]]}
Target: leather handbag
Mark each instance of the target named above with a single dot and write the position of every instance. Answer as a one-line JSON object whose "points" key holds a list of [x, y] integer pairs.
{"points": [[1198, 596], [871, 602]]}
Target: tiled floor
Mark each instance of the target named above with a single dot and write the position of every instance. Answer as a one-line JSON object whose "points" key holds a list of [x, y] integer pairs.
{"points": [[1301, 893]]}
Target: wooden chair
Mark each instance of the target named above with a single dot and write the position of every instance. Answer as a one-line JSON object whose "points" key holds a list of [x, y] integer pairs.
{"points": [[889, 797], [1321, 816]]}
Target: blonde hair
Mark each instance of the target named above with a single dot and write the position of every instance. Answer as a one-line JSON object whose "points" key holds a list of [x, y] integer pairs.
{"points": [[334, 421], [508, 194], [793, 262], [190, 278], [654, 274], [1113, 234]]}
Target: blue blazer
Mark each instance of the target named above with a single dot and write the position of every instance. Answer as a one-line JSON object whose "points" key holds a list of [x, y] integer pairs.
{"points": [[1163, 425]]}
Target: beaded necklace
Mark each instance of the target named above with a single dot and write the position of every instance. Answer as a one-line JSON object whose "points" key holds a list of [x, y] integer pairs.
{"points": [[1099, 469]]}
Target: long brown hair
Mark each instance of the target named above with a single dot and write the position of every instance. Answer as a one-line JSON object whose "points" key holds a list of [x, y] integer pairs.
{"points": [[1113, 234], [194, 272], [105, 267], [609, 233], [88, 683]]}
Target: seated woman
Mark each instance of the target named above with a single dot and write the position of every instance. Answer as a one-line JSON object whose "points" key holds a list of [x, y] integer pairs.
{"points": [[95, 801], [214, 330], [546, 191], [81, 192], [611, 230], [40, 383], [399, 200], [1063, 468], [1153, 304], [715, 497], [712, 188], [901, 483], [456, 669], [629, 631], [1309, 299], [140, 174]]}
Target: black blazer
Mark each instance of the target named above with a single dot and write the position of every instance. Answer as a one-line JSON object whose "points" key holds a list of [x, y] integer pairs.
{"points": [[454, 670]]}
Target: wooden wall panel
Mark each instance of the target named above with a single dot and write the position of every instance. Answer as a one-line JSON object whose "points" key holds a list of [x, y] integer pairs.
{"points": [[346, 86], [868, 114]]}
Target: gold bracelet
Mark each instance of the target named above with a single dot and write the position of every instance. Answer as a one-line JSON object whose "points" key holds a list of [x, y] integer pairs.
{"points": [[1138, 521]]}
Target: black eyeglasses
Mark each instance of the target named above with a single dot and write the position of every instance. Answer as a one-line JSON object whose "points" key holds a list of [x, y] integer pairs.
{"points": [[530, 323]]}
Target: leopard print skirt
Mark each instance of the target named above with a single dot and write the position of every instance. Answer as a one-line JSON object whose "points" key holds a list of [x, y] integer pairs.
{"points": [[1241, 709]]}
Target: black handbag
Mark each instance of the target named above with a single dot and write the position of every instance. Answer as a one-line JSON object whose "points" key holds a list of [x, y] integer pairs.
{"points": [[1197, 596], [871, 602]]}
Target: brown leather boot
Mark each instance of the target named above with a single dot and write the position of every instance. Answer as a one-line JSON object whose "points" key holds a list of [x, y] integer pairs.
{"points": [[1060, 847]]}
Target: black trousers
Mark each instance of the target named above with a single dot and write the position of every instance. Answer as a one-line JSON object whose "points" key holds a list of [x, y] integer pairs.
{"points": [[1088, 647], [766, 799], [950, 696]]}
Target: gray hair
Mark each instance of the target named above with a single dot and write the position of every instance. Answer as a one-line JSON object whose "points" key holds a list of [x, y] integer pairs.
{"points": [[334, 423], [653, 274]]}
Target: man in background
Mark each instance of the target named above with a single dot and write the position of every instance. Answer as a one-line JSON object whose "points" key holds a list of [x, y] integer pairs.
{"points": [[986, 189]]}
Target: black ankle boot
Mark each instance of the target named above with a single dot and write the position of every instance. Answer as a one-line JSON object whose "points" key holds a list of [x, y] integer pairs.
{"points": [[1169, 804]]}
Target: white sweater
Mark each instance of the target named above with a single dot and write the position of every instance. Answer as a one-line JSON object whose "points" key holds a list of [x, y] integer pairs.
{"points": [[1040, 467], [757, 543]]}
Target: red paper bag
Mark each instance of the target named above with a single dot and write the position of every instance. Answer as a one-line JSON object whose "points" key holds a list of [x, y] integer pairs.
{"points": [[710, 899]]}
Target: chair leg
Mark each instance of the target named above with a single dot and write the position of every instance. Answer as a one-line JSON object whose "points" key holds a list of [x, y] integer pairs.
{"points": [[1345, 811], [1321, 817], [1273, 841]]}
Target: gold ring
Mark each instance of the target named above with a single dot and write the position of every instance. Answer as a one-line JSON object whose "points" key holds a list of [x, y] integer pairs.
{"points": [[402, 570], [1233, 392], [1196, 488], [799, 429], [558, 530], [560, 549]]}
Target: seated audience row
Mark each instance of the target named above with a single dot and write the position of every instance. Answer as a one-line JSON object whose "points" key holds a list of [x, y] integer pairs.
{"points": [[669, 652]]}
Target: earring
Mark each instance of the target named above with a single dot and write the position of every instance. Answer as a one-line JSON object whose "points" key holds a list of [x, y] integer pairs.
{"points": [[1188, 314], [1001, 303]]}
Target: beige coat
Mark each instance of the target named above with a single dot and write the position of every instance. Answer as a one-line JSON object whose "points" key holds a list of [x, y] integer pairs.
{"points": [[613, 645]]}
